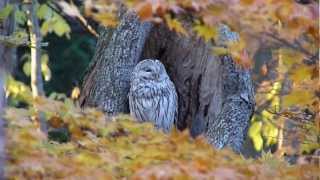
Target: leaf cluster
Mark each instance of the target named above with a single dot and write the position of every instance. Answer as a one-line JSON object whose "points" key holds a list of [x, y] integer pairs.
{"points": [[122, 148]]}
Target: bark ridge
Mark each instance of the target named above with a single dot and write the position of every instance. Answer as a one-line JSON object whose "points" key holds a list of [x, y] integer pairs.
{"points": [[106, 85]]}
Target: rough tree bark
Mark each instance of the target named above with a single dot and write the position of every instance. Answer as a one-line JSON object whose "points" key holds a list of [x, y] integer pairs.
{"points": [[2, 131], [215, 95], [106, 84]]}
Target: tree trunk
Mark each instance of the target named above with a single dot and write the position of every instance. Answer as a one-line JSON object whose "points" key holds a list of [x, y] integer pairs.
{"points": [[35, 52], [106, 84], [7, 59], [215, 95], [35, 40], [2, 130]]}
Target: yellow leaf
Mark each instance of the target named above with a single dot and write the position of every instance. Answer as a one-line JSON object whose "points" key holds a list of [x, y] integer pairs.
{"points": [[270, 132], [207, 32], [218, 51], [61, 27], [289, 57], [298, 97], [215, 10], [301, 73], [255, 135], [75, 94], [107, 19], [88, 158], [175, 25], [46, 72]]}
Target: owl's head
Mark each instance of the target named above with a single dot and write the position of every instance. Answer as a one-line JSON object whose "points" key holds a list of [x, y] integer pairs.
{"points": [[149, 70]]}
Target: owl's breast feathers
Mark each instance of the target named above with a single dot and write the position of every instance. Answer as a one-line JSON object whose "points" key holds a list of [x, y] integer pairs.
{"points": [[153, 99]]}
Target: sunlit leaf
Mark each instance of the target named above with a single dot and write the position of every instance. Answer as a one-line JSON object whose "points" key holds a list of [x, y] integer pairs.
{"points": [[5, 12], [207, 32], [144, 11], [301, 73], [264, 70], [175, 25], [61, 27], [289, 57], [220, 51], [298, 98], [75, 94], [27, 67], [270, 132], [46, 27], [46, 72], [106, 19], [44, 12], [89, 158], [255, 134]]}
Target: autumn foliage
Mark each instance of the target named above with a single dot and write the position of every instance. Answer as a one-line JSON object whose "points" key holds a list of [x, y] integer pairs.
{"points": [[82, 144], [121, 148]]}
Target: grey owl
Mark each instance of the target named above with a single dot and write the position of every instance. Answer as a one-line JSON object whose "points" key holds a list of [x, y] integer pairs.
{"points": [[152, 95]]}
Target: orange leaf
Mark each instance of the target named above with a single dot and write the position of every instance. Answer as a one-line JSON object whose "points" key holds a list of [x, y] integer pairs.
{"points": [[144, 10], [246, 2], [264, 70], [56, 122], [242, 58]]}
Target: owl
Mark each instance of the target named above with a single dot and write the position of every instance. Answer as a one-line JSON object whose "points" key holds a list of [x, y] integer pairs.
{"points": [[152, 95]]}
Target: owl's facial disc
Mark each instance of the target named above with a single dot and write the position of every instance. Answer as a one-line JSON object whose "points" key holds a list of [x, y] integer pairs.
{"points": [[147, 73], [150, 70]]}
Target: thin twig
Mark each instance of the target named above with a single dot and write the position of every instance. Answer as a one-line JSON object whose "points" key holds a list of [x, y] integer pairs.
{"points": [[285, 42], [84, 23]]}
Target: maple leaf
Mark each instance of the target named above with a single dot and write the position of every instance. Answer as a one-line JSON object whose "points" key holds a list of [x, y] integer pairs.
{"points": [[175, 24], [144, 10], [207, 32]]}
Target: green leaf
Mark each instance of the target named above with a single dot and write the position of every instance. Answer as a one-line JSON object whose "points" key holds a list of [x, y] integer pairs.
{"points": [[46, 27], [46, 72], [5, 12], [20, 17], [44, 12], [27, 68], [61, 27]]}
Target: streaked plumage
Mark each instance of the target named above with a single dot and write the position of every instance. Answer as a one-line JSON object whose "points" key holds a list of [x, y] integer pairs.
{"points": [[152, 95]]}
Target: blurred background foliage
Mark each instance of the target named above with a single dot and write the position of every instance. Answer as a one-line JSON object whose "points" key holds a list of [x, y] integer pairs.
{"points": [[65, 58]]}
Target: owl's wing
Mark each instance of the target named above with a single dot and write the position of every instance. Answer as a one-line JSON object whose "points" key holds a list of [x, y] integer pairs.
{"points": [[167, 108], [142, 108]]}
